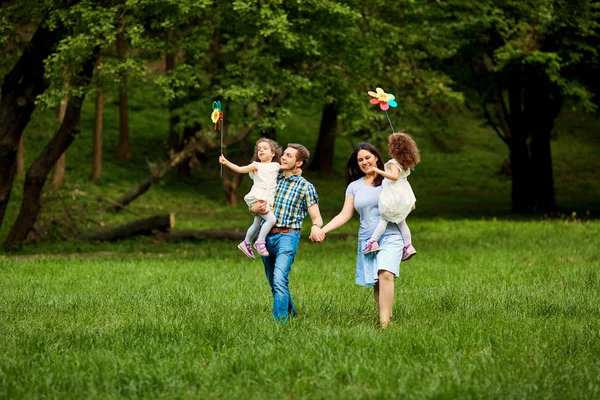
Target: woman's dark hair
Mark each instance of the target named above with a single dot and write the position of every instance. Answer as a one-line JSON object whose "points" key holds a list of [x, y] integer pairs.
{"points": [[353, 171]]}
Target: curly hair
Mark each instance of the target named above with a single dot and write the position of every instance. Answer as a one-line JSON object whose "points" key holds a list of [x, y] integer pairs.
{"points": [[404, 150], [353, 171], [275, 148]]}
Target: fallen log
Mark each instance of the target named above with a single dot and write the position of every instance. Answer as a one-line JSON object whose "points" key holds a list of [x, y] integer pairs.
{"points": [[139, 227], [223, 234]]}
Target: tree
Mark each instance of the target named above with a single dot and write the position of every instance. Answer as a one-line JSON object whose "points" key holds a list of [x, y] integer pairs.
{"points": [[97, 136], [38, 172], [520, 60], [20, 89], [61, 164], [124, 150]]}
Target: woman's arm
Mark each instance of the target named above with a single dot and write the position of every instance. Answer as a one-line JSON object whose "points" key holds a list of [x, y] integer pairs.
{"points": [[393, 175], [236, 168], [343, 217]]}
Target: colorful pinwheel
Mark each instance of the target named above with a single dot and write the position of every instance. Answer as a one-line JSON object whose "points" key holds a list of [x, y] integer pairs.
{"points": [[217, 114], [385, 100]]}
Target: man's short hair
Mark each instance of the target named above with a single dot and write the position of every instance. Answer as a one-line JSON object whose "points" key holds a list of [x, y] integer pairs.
{"points": [[303, 153]]}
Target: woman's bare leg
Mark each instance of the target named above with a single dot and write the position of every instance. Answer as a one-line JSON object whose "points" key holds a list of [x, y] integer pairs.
{"points": [[385, 297]]}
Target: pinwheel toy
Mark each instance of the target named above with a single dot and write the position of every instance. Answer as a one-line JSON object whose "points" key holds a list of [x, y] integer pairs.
{"points": [[217, 117], [217, 114], [385, 101]]}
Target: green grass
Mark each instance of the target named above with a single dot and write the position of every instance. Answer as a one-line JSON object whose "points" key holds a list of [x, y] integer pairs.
{"points": [[493, 306], [487, 309]]}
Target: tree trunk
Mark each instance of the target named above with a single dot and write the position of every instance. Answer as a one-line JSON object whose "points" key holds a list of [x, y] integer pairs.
{"points": [[97, 138], [21, 159], [139, 189], [516, 120], [38, 172], [20, 87], [543, 179], [61, 164], [173, 138], [323, 158], [543, 110], [124, 151], [521, 195], [184, 168], [140, 227]]}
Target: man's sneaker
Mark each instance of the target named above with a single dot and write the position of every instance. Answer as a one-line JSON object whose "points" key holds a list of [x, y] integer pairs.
{"points": [[409, 251], [246, 248], [371, 247], [261, 247]]}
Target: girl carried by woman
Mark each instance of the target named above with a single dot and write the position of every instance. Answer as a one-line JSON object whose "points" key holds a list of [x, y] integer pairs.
{"points": [[397, 199]]}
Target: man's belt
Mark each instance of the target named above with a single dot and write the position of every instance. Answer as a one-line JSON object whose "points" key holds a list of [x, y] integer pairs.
{"points": [[277, 229]]}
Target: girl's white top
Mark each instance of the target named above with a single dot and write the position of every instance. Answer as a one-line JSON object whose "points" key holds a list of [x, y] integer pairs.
{"points": [[265, 183], [397, 197]]}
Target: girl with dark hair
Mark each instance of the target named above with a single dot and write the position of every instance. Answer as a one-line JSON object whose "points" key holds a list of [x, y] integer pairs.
{"points": [[364, 188], [397, 199]]}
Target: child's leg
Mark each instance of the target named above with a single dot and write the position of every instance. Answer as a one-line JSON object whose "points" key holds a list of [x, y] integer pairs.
{"points": [[372, 245], [381, 227], [270, 221], [405, 232], [253, 230]]}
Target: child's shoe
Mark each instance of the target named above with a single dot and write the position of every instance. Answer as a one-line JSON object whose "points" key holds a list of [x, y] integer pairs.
{"points": [[246, 248], [409, 251], [371, 247], [261, 247]]}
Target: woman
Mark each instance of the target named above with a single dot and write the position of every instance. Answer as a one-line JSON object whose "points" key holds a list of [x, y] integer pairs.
{"points": [[373, 269]]}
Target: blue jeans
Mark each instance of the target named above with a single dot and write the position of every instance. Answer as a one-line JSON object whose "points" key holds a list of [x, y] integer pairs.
{"points": [[282, 249]]}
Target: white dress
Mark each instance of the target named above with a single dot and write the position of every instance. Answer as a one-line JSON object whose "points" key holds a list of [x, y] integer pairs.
{"points": [[265, 183], [397, 197]]}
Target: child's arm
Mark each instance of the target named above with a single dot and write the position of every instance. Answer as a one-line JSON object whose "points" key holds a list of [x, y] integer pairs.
{"points": [[393, 175], [236, 168]]}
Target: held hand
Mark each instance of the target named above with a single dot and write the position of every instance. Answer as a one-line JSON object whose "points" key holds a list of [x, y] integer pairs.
{"points": [[316, 234], [223, 160], [260, 207]]}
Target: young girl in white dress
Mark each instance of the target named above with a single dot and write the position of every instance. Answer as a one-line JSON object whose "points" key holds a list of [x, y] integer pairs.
{"points": [[263, 171], [397, 199]]}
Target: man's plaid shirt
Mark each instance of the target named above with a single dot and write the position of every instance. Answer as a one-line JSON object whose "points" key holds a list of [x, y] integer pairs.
{"points": [[293, 197]]}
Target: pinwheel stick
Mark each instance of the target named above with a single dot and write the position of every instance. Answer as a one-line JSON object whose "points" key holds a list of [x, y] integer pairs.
{"points": [[390, 121], [221, 129]]}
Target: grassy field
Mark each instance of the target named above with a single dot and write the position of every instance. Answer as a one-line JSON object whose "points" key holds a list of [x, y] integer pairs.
{"points": [[487, 309], [493, 306]]}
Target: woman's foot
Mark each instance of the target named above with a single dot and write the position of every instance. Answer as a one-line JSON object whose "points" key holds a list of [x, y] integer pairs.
{"points": [[261, 247], [246, 248], [371, 247], [409, 252]]}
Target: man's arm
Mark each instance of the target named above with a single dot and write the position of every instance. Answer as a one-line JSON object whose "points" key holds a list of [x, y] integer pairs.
{"points": [[317, 223]]}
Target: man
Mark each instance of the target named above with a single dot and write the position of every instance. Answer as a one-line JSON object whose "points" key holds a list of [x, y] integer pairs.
{"points": [[295, 197]]}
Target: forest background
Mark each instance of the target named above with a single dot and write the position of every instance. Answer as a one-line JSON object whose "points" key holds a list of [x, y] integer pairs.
{"points": [[105, 121]]}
